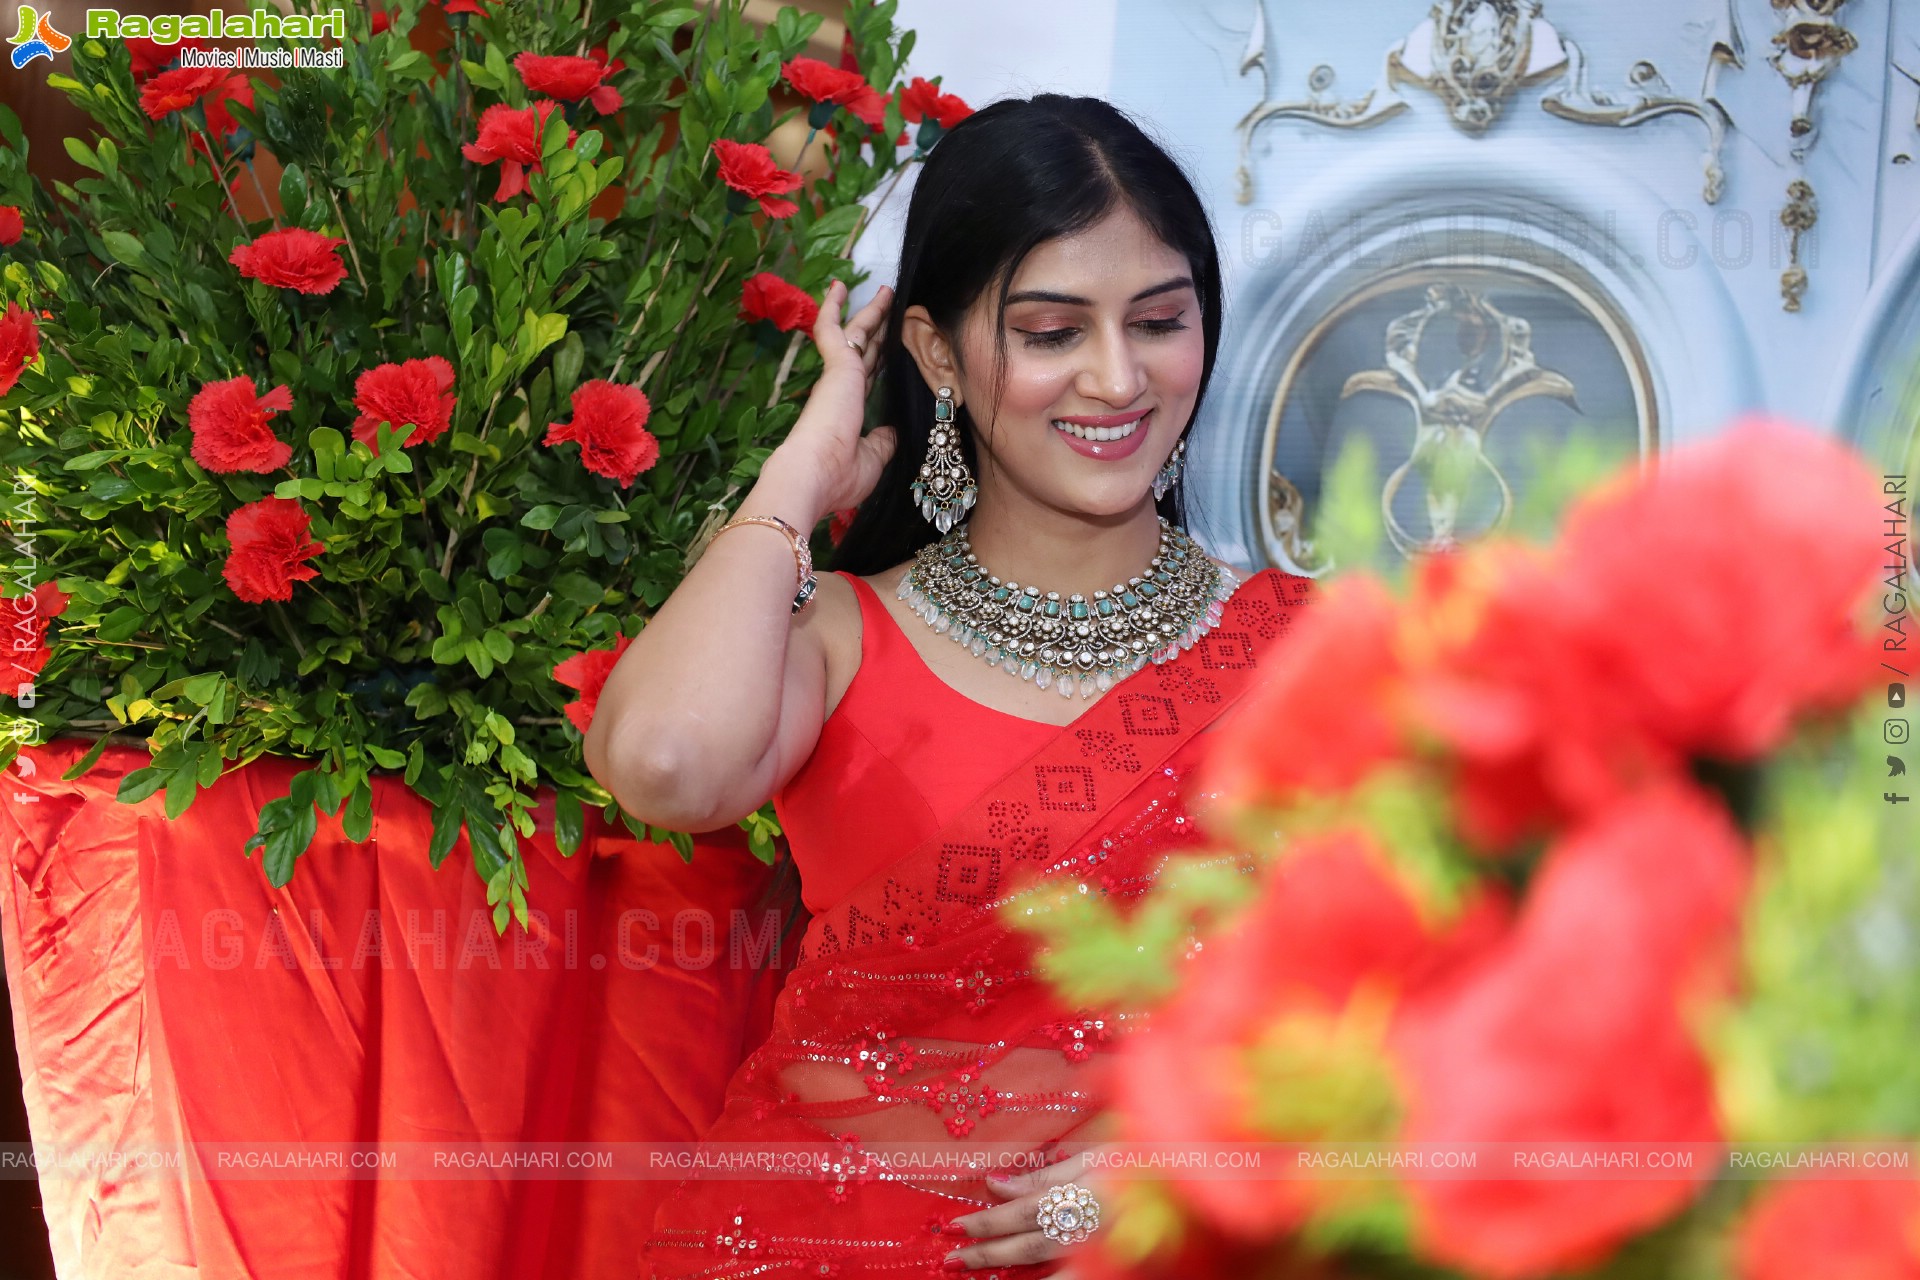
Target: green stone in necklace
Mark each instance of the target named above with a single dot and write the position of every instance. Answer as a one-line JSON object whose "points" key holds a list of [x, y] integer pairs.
{"points": [[1075, 645]]}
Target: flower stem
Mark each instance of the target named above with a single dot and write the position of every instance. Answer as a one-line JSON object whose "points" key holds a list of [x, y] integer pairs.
{"points": [[347, 235], [266, 205], [220, 180]]}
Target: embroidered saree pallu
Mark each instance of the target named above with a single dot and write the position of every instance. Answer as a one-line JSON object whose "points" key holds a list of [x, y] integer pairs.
{"points": [[914, 1045]]}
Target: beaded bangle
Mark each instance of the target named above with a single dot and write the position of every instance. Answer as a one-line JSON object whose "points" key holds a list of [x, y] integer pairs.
{"points": [[802, 554]]}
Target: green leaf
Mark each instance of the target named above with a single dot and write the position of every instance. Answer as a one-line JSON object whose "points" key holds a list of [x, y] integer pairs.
{"points": [[140, 784], [285, 832], [446, 830], [328, 445], [81, 153], [124, 247], [357, 825], [569, 818], [86, 761], [500, 645]]}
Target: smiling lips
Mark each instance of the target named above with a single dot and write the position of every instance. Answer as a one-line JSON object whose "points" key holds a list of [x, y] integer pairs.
{"points": [[1107, 436]]}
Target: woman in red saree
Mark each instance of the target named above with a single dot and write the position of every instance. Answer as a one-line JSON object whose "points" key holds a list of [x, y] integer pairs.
{"points": [[1057, 269]]}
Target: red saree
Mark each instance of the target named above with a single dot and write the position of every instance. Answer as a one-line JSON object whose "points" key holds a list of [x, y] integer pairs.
{"points": [[915, 1016]]}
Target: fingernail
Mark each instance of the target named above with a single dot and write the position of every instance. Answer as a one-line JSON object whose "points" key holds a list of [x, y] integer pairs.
{"points": [[953, 1264]]}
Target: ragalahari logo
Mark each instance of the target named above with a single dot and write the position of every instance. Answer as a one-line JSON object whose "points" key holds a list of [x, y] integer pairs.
{"points": [[36, 38]]}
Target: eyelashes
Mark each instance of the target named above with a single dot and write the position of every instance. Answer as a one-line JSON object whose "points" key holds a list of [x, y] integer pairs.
{"points": [[1049, 338]]}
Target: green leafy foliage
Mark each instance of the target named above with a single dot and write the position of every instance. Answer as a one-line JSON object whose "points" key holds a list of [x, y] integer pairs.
{"points": [[459, 570]]}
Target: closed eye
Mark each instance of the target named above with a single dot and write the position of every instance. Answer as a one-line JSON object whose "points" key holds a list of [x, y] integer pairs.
{"points": [[1060, 337]]}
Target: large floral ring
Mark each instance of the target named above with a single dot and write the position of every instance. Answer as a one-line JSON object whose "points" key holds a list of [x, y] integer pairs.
{"points": [[1068, 1214]]}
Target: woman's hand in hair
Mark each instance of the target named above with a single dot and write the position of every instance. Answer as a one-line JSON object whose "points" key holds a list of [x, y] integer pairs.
{"points": [[825, 444]]}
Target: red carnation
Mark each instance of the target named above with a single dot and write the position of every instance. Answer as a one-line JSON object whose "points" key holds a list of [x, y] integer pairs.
{"points": [[610, 426], [748, 168], [220, 121], [588, 673], [149, 56], [419, 392], [1574, 1029], [815, 80], [271, 544], [230, 430], [12, 225], [569, 78], [921, 100], [180, 88], [768, 297], [379, 21], [512, 136], [464, 6], [1862, 1229], [25, 619], [19, 344], [292, 258]]}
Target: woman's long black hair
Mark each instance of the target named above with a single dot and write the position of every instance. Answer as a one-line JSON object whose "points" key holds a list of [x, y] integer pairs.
{"points": [[1006, 179]]}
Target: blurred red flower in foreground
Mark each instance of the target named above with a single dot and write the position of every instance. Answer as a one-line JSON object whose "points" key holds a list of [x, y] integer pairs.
{"points": [[292, 258], [230, 429], [12, 225], [610, 426], [748, 168], [588, 673], [419, 392], [1574, 1030], [1838, 1230], [570, 78], [19, 344], [24, 618], [513, 138], [378, 21], [768, 297], [272, 541], [1587, 673]]}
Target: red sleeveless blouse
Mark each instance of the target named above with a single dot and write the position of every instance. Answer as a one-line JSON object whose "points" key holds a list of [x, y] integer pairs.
{"points": [[902, 754]]}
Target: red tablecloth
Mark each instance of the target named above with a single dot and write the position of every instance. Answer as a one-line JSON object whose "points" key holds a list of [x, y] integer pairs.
{"points": [[164, 994]]}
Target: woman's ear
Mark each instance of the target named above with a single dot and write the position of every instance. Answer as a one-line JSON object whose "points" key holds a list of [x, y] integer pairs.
{"points": [[930, 350]]}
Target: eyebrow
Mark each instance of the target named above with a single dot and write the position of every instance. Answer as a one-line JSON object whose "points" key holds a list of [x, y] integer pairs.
{"points": [[1071, 300]]}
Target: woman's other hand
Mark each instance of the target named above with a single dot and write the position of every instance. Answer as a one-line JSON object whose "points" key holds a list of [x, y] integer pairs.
{"points": [[826, 444]]}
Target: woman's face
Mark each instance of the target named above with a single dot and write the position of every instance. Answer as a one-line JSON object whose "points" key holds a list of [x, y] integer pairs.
{"points": [[1104, 351]]}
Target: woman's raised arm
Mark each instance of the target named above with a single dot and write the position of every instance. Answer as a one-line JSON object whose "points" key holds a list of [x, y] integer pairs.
{"points": [[721, 696]]}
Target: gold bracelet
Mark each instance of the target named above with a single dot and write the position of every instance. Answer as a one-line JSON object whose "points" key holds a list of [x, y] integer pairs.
{"points": [[802, 554]]}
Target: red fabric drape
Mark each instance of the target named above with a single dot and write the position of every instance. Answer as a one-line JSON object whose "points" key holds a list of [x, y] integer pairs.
{"points": [[164, 994]]}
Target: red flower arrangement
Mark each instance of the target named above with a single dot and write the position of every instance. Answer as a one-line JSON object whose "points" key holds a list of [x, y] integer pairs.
{"points": [[588, 673], [610, 425], [1568, 696], [513, 138], [176, 90], [569, 78], [25, 642], [419, 392], [292, 258], [272, 541], [12, 225], [748, 168], [19, 344], [923, 101], [768, 297], [230, 430]]}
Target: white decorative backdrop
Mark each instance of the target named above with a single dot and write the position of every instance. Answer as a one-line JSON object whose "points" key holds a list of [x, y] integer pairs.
{"points": [[1577, 204]]}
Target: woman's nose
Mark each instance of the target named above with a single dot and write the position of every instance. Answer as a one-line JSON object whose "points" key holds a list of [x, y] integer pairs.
{"points": [[1113, 372]]}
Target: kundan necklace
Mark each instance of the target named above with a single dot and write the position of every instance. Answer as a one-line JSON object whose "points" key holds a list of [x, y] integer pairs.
{"points": [[1076, 644]]}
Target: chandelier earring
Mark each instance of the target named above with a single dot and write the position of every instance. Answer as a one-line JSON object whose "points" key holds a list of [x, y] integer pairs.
{"points": [[1169, 475], [945, 488]]}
